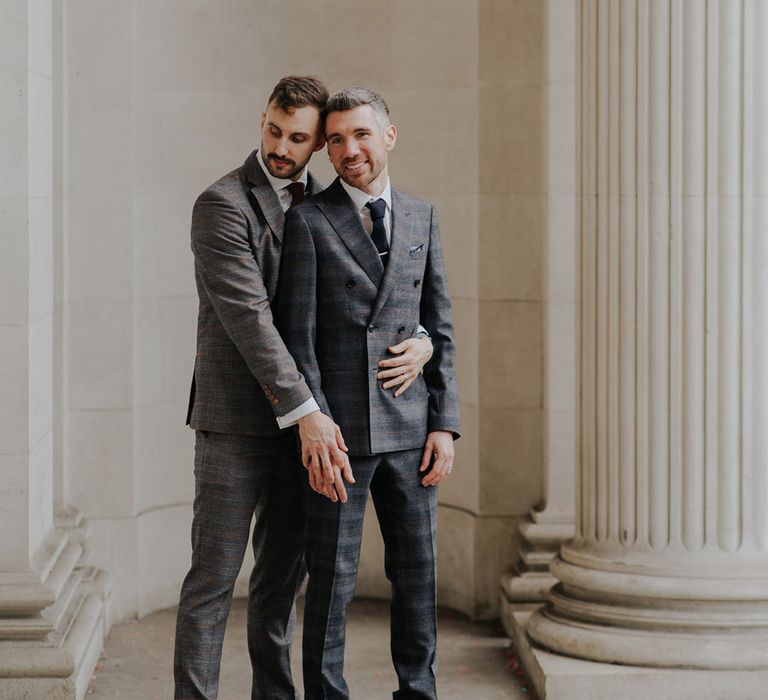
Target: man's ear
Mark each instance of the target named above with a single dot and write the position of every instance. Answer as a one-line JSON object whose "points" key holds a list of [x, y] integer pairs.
{"points": [[320, 143], [390, 137], [263, 119]]}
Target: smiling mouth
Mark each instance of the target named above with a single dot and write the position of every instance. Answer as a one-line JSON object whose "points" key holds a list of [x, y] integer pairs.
{"points": [[353, 168]]}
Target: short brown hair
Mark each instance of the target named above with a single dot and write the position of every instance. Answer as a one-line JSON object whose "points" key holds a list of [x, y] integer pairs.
{"points": [[351, 98], [299, 91]]}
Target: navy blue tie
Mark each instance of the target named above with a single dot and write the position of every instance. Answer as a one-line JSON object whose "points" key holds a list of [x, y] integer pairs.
{"points": [[378, 208]]}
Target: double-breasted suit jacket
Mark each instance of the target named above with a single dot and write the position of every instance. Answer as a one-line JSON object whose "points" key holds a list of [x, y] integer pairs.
{"points": [[339, 309], [243, 375]]}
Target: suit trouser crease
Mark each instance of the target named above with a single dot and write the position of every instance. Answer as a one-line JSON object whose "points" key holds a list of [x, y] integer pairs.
{"points": [[237, 478], [407, 516]]}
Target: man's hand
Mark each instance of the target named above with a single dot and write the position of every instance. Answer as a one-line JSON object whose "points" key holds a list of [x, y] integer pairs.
{"points": [[402, 370], [323, 454], [439, 448]]}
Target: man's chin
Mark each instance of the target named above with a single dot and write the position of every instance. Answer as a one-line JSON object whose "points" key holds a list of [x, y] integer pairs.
{"points": [[283, 173], [355, 181]]}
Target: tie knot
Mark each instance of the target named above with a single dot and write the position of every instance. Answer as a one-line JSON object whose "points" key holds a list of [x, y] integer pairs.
{"points": [[377, 207], [297, 192]]}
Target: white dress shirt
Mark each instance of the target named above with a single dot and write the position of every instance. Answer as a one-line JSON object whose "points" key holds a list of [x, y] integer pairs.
{"points": [[360, 199]]}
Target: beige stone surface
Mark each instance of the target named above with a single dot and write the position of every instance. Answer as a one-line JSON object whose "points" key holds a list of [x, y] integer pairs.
{"points": [[457, 214], [101, 483], [14, 167], [14, 263], [456, 559], [100, 241], [473, 658], [466, 328], [511, 351], [462, 488], [510, 247], [161, 563], [556, 677], [101, 354], [420, 54], [511, 443], [511, 132], [40, 257], [440, 154], [512, 41]]}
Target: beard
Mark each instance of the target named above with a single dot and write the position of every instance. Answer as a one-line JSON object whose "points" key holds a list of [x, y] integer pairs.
{"points": [[284, 172]]}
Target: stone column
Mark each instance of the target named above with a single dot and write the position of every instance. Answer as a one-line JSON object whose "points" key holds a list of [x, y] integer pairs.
{"points": [[552, 523], [669, 567], [51, 605]]}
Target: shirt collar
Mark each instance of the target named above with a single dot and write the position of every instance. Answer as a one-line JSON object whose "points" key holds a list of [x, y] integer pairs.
{"points": [[360, 198], [279, 183]]}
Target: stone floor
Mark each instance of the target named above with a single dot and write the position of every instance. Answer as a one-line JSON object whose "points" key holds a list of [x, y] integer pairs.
{"points": [[476, 662]]}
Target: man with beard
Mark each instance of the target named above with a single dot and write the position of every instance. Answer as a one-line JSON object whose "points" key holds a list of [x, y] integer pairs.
{"points": [[362, 266], [246, 390]]}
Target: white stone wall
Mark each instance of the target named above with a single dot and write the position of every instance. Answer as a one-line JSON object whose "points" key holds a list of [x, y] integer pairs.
{"points": [[26, 298], [158, 99]]}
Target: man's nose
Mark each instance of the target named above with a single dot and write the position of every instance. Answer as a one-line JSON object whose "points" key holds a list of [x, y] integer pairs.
{"points": [[282, 147], [350, 149]]}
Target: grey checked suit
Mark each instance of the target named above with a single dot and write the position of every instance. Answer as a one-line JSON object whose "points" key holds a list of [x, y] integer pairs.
{"points": [[338, 310], [244, 466]]}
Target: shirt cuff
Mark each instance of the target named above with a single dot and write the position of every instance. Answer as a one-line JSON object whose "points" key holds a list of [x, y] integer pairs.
{"points": [[423, 330], [292, 417]]}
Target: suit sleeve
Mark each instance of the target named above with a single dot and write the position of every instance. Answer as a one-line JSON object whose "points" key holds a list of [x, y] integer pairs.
{"points": [[232, 279], [436, 317], [296, 301]]}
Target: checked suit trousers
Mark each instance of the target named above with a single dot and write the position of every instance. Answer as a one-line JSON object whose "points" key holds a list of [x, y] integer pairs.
{"points": [[407, 514], [238, 477]]}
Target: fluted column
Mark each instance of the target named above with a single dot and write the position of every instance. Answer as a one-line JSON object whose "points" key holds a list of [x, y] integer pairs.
{"points": [[51, 600], [669, 566]]}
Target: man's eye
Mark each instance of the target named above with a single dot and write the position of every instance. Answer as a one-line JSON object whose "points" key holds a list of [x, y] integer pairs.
{"points": [[299, 139]]}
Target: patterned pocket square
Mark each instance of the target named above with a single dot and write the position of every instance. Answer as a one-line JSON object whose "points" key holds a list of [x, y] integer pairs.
{"points": [[416, 248]]}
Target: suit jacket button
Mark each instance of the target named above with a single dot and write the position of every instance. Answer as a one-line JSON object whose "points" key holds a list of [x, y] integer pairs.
{"points": [[401, 329], [371, 329], [350, 284], [416, 283]]}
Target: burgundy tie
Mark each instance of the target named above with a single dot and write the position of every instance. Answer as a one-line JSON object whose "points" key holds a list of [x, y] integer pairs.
{"points": [[297, 192]]}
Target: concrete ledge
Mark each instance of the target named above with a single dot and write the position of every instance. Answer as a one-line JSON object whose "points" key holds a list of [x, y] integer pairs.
{"points": [[556, 677]]}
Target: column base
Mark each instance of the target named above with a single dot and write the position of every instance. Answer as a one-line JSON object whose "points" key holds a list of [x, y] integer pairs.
{"points": [[541, 538], [556, 677], [663, 617], [51, 652]]}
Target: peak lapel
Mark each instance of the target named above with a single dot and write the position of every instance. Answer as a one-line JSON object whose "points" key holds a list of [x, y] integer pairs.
{"points": [[402, 235], [341, 214], [265, 196]]}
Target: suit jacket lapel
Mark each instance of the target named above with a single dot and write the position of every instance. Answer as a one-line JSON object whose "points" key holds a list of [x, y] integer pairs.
{"points": [[340, 212], [313, 185], [399, 245], [265, 196]]}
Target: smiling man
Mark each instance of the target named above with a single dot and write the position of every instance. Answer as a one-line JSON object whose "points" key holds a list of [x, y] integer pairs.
{"points": [[246, 390], [362, 265]]}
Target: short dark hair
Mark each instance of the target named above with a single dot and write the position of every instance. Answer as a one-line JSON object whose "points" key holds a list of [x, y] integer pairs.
{"points": [[299, 91], [344, 100]]}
